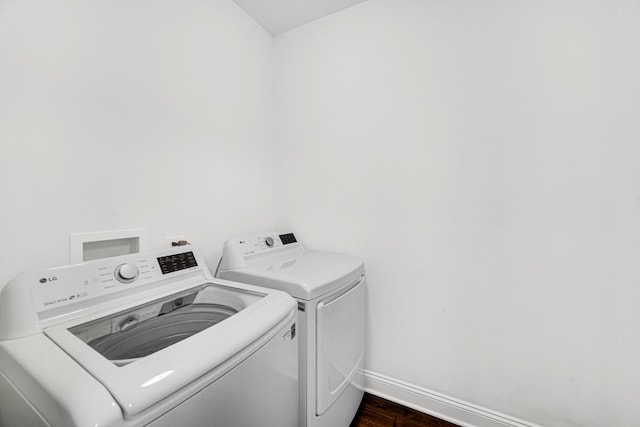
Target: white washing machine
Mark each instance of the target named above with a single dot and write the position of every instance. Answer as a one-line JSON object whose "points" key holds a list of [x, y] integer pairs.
{"points": [[148, 339], [330, 290]]}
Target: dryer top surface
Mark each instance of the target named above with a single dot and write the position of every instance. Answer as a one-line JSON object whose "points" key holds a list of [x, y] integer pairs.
{"points": [[303, 274]]}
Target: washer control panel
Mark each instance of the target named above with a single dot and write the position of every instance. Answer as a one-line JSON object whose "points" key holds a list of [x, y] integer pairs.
{"points": [[66, 285]]}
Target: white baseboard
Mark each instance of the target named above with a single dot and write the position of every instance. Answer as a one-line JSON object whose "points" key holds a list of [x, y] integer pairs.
{"points": [[439, 405]]}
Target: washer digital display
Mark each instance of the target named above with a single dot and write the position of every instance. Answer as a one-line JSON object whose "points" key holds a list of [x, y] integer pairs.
{"points": [[177, 262]]}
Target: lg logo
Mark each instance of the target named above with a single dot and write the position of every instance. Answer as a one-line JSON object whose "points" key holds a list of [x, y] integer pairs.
{"points": [[48, 279]]}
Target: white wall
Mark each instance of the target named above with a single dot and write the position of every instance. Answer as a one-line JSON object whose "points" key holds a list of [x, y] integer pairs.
{"points": [[482, 156], [122, 114]]}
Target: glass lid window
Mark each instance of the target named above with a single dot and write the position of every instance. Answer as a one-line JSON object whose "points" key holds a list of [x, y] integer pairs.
{"points": [[129, 335]]}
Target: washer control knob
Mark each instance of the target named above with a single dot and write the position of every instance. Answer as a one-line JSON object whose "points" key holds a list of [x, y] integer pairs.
{"points": [[126, 273], [269, 241]]}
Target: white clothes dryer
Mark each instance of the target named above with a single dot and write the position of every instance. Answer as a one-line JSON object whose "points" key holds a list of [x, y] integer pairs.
{"points": [[149, 339], [330, 290]]}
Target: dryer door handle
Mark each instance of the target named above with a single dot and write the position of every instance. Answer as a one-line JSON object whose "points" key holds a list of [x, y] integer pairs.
{"points": [[346, 290]]}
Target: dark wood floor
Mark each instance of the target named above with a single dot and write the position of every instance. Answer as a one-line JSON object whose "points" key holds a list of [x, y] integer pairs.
{"points": [[377, 412]]}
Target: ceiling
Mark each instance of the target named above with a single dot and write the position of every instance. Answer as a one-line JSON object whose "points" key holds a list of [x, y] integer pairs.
{"points": [[278, 16]]}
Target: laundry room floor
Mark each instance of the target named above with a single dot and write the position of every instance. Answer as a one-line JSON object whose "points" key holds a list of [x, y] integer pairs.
{"points": [[378, 412]]}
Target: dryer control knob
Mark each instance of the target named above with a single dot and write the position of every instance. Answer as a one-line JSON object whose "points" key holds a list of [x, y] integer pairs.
{"points": [[269, 241], [126, 273]]}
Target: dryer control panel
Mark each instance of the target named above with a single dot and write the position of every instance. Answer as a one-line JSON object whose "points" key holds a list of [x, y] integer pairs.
{"points": [[250, 245], [241, 248]]}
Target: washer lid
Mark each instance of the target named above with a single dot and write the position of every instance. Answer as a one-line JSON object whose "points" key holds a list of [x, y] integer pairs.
{"points": [[303, 274], [211, 352]]}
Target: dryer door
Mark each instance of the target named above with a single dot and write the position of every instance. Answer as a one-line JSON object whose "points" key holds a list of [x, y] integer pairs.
{"points": [[340, 344]]}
